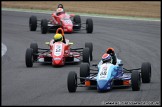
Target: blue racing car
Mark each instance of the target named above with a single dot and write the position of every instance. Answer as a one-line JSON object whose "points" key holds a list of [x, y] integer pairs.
{"points": [[108, 75]]}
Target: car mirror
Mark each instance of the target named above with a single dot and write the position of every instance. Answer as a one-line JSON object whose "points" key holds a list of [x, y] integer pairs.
{"points": [[120, 64], [47, 43], [70, 43]]}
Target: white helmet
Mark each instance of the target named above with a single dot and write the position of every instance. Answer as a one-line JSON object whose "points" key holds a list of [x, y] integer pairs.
{"points": [[59, 10]]}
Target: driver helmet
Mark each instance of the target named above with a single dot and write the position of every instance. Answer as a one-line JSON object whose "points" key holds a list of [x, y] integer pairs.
{"points": [[60, 6], [59, 10], [110, 50], [58, 37], [106, 58]]}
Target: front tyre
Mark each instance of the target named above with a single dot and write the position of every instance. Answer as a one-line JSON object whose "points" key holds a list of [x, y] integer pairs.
{"points": [[86, 55], [89, 25], [84, 71], [44, 26], [33, 23], [146, 72], [72, 81], [135, 81], [90, 46], [29, 57], [77, 20], [34, 46]]}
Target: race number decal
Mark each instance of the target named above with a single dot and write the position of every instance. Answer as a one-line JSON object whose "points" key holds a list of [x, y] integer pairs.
{"points": [[58, 49], [103, 73], [68, 21]]}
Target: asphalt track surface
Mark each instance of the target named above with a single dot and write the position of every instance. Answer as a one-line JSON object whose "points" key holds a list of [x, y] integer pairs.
{"points": [[134, 42]]}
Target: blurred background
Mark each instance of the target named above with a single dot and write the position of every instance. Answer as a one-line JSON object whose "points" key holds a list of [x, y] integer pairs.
{"points": [[149, 9]]}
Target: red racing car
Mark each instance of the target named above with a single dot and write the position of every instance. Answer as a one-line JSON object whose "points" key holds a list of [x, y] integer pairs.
{"points": [[58, 53], [68, 23]]}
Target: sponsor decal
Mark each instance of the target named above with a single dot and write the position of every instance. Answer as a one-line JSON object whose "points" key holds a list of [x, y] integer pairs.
{"points": [[58, 49], [56, 59], [104, 72]]}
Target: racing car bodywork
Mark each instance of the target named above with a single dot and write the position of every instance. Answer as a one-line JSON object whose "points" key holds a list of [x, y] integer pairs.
{"points": [[68, 23], [109, 76], [58, 53]]}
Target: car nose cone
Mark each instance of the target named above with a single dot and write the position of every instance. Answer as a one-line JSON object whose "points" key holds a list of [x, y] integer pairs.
{"points": [[101, 84]]}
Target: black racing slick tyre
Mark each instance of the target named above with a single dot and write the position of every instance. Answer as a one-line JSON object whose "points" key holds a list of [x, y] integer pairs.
{"points": [[90, 46], [77, 20], [86, 55], [29, 57], [146, 72], [89, 25], [44, 26], [135, 81], [84, 71], [34, 46], [33, 23], [72, 81]]}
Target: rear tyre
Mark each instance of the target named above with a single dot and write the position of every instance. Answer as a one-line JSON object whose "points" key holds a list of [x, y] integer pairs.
{"points": [[86, 55], [29, 57], [77, 20], [72, 81], [135, 81], [44, 26], [84, 71], [34, 46], [90, 46], [33, 23], [89, 25], [146, 72]]}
